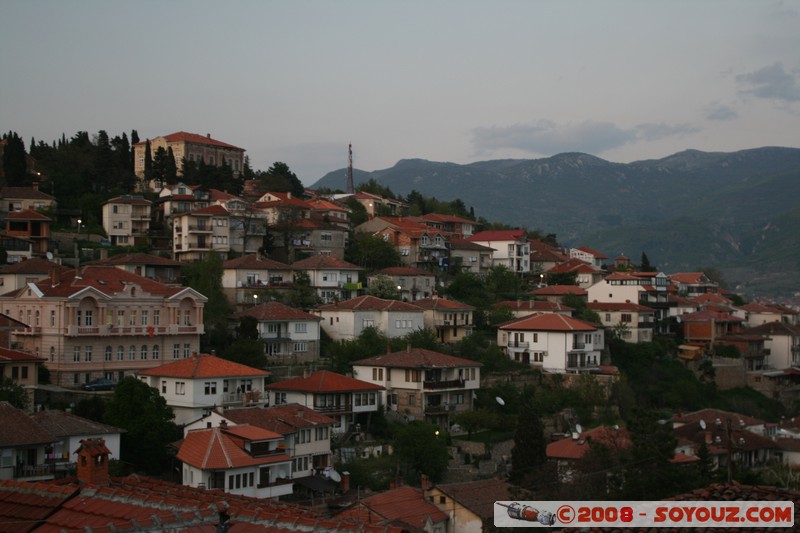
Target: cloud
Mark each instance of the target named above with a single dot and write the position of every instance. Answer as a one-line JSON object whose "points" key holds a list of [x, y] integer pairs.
{"points": [[773, 83], [546, 137], [721, 112]]}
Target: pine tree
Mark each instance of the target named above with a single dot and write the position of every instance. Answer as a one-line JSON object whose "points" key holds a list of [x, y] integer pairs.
{"points": [[14, 165], [530, 448], [148, 162]]}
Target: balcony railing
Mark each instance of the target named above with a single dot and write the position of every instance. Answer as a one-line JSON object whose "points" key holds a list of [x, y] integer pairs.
{"points": [[35, 330], [126, 331], [334, 409], [29, 471], [439, 409], [518, 344], [277, 482], [451, 384]]}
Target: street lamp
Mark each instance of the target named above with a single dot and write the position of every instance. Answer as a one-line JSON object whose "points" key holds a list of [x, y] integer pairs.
{"points": [[255, 299]]}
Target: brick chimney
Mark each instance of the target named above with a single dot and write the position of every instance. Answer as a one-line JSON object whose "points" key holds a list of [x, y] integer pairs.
{"points": [[93, 462], [345, 481]]}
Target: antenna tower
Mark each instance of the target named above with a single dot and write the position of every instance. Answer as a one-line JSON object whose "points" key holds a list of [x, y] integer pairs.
{"points": [[351, 189]]}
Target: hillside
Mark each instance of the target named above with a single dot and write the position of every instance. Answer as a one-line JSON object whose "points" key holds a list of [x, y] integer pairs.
{"points": [[736, 211]]}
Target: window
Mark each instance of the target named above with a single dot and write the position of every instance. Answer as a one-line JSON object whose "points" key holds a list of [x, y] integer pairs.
{"points": [[132, 352], [120, 318], [154, 353], [300, 327], [210, 387], [52, 354], [107, 356], [626, 317], [163, 386], [280, 398], [156, 317], [187, 320], [144, 352], [377, 374], [120, 353], [37, 319], [300, 347], [176, 351], [412, 400], [52, 318], [180, 388], [76, 354], [132, 316], [187, 348], [608, 317], [368, 323], [144, 318]]}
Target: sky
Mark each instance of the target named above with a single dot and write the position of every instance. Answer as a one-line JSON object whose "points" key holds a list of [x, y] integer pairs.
{"points": [[459, 81]]}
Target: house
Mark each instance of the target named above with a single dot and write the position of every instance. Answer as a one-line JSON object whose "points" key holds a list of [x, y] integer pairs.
{"points": [[629, 321], [704, 327], [377, 205], [457, 227], [333, 279], [451, 320], [246, 278], [422, 384], [556, 293], [126, 220], [20, 367], [306, 433], [348, 401], [348, 319], [412, 283], [241, 459], [178, 198], [567, 452], [192, 147], [199, 233], [420, 246], [17, 249], [750, 348], [553, 342], [588, 256], [651, 289], [469, 505], [757, 314], [544, 257], [248, 225], [585, 274], [466, 256], [521, 308], [404, 506], [691, 284], [781, 344], [290, 335], [192, 387], [99, 502], [100, 321], [70, 430], [331, 212], [154, 267], [31, 226], [14, 199], [512, 249], [24, 446]]}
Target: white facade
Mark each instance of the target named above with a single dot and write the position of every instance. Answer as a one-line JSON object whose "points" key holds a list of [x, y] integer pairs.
{"points": [[347, 324], [553, 351]]}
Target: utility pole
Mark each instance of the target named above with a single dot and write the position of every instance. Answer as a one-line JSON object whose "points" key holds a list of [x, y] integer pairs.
{"points": [[351, 189]]}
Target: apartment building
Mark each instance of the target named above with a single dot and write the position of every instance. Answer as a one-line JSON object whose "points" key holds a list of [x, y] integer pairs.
{"points": [[126, 220], [199, 233], [191, 147]]}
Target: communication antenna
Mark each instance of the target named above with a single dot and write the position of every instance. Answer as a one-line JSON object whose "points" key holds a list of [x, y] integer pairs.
{"points": [[351, 189]]}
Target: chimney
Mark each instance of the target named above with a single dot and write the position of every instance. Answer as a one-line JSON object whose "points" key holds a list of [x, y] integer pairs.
{"points": [[345, 481], [55, 275], [93, 462], [423, 483], [408, 348], [708, 437], [208, 135], [223, 424]]}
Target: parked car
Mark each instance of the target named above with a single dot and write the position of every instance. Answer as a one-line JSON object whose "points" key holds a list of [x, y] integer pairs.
{"points": [[99, 384]]}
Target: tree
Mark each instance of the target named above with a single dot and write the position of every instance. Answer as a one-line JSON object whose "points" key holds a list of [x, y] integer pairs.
{"points": [[279, 178], [530, 447], [246, 351], [646, 266], [13, 393], [421, 449], [503, 283], [148, 423], [14, 165], [301, 294], [358, 213], [206, 278], [148, 162], [373, 253], [382, 286]]}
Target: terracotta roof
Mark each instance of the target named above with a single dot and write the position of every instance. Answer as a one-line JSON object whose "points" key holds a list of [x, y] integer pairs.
{"points": [[106, 279], [788, 444], [711, 298], [548, 322], [756, 307], [271, 311], [574, 449], [284, 419], [498, 235], [28, 214], [222, 196], [404, 504], [417, 358], [139, 258], [203, 366], [406, 271], [23, 504], [126, 199], [572, 265], [560, 290], [370, 303], [462, 244], [707, 315], [26, 430], [324, 381], [711, 415], [689, 277], [442, 303], [63, 424], [34, 265], [26, 193], [533, 306], [9, 355], [211, 211], [479, 496], [716, 437], [255, 261], [215, 449], [325, 205], [182, 136], [322, 262], [436, 217], [775, 328]]}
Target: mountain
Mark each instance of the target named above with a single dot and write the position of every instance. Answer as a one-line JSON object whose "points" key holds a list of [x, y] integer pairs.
{"points": [[736, 211]]}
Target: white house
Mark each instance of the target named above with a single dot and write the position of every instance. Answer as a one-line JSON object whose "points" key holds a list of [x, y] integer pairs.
{"points": [[194, 386], [553, 342], [290, 335], [333, 279], [511, 248], [71, 429], [630, 321], [346, 320], [781, 344]]}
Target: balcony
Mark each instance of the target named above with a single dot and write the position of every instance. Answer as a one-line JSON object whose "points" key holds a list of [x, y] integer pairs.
{"points": [[128, 331], [35, 330], [200, 229], [518, 344], [440, 409], [333, 409], [438, 385], [34, 471]]}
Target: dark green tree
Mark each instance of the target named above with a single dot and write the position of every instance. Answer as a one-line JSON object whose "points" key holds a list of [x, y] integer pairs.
{"points": [[14, 165], [470, 289], [382, 286], [652, 447], [246, 351], [421, 448], [247, 328], [373, 253], [358, 213], [279, 178], [301, 294], [148, 161], [148, 421], [646, 266], [530, 447], [13, 393], [206, 278], [504, 284]]}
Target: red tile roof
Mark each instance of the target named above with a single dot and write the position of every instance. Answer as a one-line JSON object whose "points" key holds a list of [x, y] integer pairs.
{"points": [[370, 303], [533, 306], [255, 261], [323, 262], [595, 253], [417, 358], [711, 298], [775, 328], [133, 200], [324, 381], [215, 449], [23, 505], [462, 244], [708, 315], [548, 322], [619, 306], [28, 214], [436, 217], [136, 259], [34, 265], [283, 419], [405, 505], [106, 279], [272, 311], [756, 307], [560, 290], [24, 193], [479, 496], [443, 304], [8, 355], [498, 235], [63, 424], [182, 136], [574, 449], [572, 265], [688, 277], [711, 415], [211, 210], [203, 366], [21, 429]]}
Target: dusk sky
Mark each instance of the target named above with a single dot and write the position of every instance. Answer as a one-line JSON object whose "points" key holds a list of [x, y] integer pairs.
{"points": [[458, 81]]}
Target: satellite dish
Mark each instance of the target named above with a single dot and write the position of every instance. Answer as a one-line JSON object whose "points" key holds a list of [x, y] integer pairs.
{"points": [[49, 256], [578, 428], [334, 475], [499, 400], [702, 424]]}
